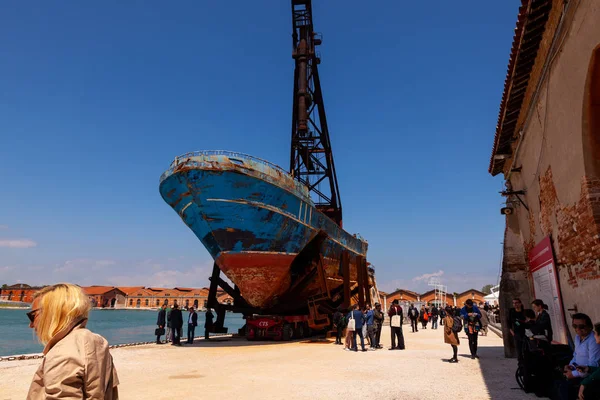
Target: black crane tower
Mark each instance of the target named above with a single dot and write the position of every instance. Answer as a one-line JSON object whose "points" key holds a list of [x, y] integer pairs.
{"points": [[311, 159]]}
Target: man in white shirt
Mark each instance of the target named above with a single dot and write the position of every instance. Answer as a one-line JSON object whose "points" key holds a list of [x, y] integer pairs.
{"points": [[192, 324]]}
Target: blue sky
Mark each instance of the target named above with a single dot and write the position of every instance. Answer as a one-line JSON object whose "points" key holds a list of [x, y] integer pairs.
{"points": [[97, 99]]}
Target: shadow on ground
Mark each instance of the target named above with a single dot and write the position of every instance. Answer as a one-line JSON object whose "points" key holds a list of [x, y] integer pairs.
{"points": [[238, 341], [494, 369]]}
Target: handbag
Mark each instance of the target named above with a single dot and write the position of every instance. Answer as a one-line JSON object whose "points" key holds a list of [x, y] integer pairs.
{"points": [[159, 331], [351, 323], [395, 322]]}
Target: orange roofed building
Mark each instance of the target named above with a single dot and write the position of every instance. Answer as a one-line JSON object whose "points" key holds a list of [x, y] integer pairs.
{"points": [[104, 296], [19, 292], [407, 296]]}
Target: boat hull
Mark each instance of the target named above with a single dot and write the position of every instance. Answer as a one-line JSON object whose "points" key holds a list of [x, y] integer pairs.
{"points": [[254, 219]]}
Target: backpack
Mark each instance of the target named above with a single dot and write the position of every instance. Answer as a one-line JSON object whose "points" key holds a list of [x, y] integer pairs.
{"points": [[457, 326], [342, 322]]}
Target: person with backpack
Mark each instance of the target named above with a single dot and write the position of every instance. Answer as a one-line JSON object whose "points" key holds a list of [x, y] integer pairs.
{"points": [[434, 317], [472, 324], [357, 316], [413, 314], [452, 326], [338, 324], [442, 316]]}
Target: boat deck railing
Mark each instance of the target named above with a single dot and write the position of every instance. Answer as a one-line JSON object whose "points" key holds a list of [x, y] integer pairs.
{"points": [[232, 155]]}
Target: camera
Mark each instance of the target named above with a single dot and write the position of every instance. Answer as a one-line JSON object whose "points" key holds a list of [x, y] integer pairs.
{"points": [[506, 210]]}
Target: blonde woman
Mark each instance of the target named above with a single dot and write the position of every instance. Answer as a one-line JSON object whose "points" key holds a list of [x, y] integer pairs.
{"points": [[77, 363]]}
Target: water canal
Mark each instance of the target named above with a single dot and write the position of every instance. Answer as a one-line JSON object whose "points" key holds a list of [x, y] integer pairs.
{"points": [[117, 326]]}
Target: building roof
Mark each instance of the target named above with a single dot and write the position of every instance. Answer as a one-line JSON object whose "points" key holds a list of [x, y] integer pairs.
{"points": [[130, 289], [472, 290], [531, 25], [156, 289], [183, 289], [98, 290]]}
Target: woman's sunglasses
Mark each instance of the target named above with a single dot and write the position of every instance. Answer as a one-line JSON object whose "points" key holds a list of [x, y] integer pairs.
{"points": [[31, 314]]}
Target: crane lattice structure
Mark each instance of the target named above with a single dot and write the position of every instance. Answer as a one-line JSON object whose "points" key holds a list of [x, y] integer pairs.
{"points": [[440, 292], [311, 159]]}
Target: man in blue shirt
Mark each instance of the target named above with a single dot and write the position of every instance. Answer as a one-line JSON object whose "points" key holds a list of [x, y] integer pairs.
{"points": [[370, 320], [358, 317], [587, 353]]}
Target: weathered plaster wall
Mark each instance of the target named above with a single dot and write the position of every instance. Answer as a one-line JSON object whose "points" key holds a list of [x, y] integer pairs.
{"points": [[562, 191]]}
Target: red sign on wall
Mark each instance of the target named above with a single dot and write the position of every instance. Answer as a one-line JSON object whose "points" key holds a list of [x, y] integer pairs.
{"points": [[546, 288]]}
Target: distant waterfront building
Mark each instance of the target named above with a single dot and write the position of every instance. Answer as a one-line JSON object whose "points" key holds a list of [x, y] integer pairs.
{"points": [[104, 296], [19, 292], [406, 297]]}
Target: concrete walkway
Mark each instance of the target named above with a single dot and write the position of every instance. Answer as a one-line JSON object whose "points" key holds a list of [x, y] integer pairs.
{"points": [[301, 370]]}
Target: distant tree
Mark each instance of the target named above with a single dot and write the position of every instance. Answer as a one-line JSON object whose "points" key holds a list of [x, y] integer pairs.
{"points": [[4, 286], [487, 289], [455, 294]]}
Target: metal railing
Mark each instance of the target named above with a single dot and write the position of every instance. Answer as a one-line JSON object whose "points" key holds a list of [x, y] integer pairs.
{"points": [[229, 154]]}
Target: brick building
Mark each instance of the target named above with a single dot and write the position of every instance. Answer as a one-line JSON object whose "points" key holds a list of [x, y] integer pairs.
{"points": [[476, 295], [430, 297], [402, 296], [19, 292], [104, 296], [547, 147], [153, 297]]}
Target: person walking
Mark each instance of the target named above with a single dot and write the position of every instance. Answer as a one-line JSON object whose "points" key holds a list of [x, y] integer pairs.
{"points": [[370, 322], [338, 324], [379, 318], [358, 317], [169, 335], [423, 317], [434, 317], [442, 316], [450, 334], [471, 316], [485, 321], [176, 324], [160, 322], [396, 319], [192, 324], [77, 363], [208, 323], [413, 315]]}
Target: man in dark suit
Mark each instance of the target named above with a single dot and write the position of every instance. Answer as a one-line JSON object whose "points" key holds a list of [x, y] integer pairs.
{"points": [[176, 324], [358, 317], [192, 324], [161, 321]]}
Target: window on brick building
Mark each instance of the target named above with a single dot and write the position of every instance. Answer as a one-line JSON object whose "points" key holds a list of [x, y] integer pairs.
{"points": [[147, 302], [157, 302], [205, 303], [138, 303], [130, 302]]}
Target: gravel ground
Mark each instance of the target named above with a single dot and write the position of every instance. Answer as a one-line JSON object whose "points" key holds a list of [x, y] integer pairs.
{"points": [[235, 368]]}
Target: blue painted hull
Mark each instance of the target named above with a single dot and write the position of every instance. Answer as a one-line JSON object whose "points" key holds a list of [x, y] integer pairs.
{"points": [[253, 218]]}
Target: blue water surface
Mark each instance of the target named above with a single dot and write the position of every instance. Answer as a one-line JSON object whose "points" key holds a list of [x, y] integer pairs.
{"points": [[117, 326]]}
